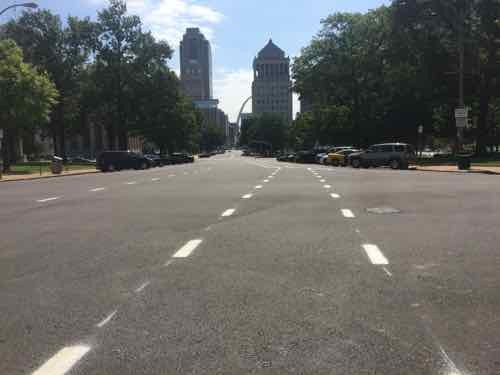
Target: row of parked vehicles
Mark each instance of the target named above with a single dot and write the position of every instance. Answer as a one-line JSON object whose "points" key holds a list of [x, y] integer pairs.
{"points": [[110, 161], [394, 155]]}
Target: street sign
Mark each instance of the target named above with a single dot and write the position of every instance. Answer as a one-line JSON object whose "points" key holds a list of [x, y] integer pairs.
{"points": [[420, 129], [460, 113]]}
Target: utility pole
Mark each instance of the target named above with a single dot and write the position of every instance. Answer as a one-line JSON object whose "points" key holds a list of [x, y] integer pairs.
{"points": [[461, 53]]}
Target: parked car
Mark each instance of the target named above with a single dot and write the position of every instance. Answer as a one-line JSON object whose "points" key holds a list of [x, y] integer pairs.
{"points": [[340, 157], [155, 159], [109, 161], [395, 155], [205, 155], [307, 157], [180, 158], [286, 157]]}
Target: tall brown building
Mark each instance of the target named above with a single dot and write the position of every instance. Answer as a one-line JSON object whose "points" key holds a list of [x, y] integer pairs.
{"points": [[271, 88], [196, 65]]}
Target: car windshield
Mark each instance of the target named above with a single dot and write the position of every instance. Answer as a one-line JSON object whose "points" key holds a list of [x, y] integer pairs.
{"points": [[250, 187]]}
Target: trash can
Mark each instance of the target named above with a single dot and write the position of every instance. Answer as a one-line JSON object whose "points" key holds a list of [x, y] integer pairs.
{"points": [[57, 165], [463, 162]]}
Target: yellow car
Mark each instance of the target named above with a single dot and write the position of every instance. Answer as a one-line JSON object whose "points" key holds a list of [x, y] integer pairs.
{"points": [[339, 157]]}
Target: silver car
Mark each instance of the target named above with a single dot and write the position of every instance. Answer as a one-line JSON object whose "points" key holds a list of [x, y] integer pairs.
{"points": [[394, 155]]}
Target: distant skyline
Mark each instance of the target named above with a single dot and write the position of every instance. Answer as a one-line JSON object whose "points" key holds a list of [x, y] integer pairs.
{"points": [[237, 31]]}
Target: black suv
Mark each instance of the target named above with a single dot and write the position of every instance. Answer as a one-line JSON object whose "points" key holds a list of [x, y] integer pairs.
{"points": [[109, 161], [394, 155], [180, 158]]}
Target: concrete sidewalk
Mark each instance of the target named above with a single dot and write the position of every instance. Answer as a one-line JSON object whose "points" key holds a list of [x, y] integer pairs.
{"points": [[36, 176], [454, 169]]}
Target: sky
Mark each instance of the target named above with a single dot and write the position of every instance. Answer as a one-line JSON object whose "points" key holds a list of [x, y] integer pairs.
{"points": [[237, 30]]}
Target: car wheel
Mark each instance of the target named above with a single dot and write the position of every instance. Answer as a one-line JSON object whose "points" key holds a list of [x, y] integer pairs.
{"points": [[144, 165], [356, 163], [395, 164], [335, 163]]}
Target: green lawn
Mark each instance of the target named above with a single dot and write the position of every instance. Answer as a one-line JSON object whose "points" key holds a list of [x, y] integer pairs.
{"points": [[34, 168]]}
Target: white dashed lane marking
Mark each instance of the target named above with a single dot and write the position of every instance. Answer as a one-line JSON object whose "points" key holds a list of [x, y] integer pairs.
{"points": [[334, 196], [228, 212], [322, 180], [171, 175], [107, 319], [387, 272], [376, 256], [142, 287], [348, 213], [155, 179], [131, 183], [247, 196], [266, 180], [327, 186], [187, 249], [63, 360], [258, 187], [97, 189], [48, 199]]}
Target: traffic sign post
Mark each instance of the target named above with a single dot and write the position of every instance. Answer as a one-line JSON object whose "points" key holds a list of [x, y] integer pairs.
{"points": [[461, 115]]}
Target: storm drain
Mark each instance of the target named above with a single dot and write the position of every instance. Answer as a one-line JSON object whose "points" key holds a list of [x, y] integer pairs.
{"points": [[383, 210]]}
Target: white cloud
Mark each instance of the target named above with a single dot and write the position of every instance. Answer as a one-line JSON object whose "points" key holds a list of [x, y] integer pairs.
{"points": [[168, 19]]}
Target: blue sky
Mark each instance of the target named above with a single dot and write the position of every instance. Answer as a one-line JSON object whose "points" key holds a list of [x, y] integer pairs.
{"points": [[237, 29]]}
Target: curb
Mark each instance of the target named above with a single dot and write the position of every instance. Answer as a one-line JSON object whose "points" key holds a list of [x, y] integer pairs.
{"points": [[49, 176], [492, 173]]}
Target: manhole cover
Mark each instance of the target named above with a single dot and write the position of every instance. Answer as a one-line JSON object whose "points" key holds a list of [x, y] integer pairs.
{"points": [[383, 210]]}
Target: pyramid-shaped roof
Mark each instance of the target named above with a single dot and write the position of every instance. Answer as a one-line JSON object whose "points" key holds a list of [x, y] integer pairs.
{"points": [[271, 51]]}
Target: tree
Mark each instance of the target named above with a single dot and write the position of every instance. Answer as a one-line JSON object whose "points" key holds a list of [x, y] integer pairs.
{"points": [[26, 96], [119, 35], [63, 54], [212, 137], [267, 131]]}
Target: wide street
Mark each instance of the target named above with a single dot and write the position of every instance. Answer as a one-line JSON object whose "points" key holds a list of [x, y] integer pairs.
{"points": [[236, 265]]}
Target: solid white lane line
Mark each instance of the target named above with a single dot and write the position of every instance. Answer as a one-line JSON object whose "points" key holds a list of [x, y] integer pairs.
{"points": [[155, 179], [247, 196], [375, 255], [388, 273], [142, 287], [107, 319], [258, 187], [187, 249], [348, 213], [48, 199], [131, 183], [327, 186], [334, 196], [266, 180], [228, 212], [63, 360], [97, 189]]}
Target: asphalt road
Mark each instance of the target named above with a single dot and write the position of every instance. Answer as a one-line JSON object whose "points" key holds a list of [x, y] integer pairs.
{"points": [[237, 265]]}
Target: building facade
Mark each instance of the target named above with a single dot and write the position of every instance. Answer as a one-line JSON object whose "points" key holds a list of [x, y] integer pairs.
{"points": [[196, 65], [272, 87]]}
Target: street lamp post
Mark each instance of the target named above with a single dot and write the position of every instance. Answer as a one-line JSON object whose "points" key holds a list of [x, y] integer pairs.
{"points": [[24, 5]]}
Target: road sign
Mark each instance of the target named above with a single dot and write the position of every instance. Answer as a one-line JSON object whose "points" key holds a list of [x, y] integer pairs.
{"points": [[420, 129], [460, 113]]}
